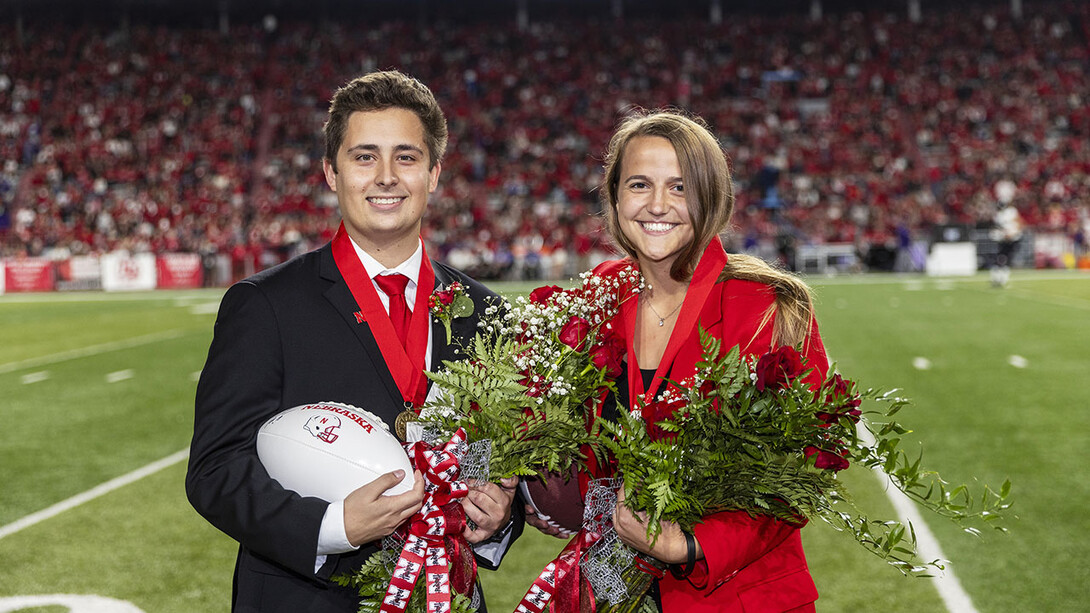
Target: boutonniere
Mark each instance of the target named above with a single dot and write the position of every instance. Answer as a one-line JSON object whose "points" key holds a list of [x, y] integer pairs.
{"points": [[449, 304]]}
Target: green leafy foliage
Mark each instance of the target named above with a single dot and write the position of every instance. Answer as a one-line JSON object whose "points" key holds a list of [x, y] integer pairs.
{"points": [[730, 446], [486, 396], [372, 579]]}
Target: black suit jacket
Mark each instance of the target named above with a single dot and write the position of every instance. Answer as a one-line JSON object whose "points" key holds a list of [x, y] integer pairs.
{"points": [[285, 337]]}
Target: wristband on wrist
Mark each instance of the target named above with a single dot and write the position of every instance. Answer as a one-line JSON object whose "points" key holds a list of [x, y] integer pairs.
{"points": [[690, 558]]}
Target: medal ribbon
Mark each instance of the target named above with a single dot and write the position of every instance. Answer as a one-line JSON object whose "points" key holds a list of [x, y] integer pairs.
{"points": [[406, 362], [704, 277], [434, 532]]}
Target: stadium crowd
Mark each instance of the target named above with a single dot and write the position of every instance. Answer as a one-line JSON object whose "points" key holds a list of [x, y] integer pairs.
{"points": [[857, 128]]}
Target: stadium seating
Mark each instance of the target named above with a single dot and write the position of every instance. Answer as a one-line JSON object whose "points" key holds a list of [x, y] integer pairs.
{"points": [[862, 129]]}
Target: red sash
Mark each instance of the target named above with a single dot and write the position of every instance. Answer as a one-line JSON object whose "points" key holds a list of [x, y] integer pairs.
{"points": [[407, 367], [704, 277]]}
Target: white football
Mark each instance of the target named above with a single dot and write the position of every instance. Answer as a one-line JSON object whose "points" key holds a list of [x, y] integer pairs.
{"points": [[329, 449]]}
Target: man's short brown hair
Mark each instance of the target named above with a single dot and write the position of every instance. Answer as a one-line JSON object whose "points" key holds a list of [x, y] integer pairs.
{"points": [[379, 91]]}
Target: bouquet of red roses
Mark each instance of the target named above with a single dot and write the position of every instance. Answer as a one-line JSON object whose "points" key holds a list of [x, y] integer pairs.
{"points": [[749, 434]]}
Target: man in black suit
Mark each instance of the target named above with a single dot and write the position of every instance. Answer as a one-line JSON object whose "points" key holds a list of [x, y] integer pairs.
{"points": [[327, 326]]}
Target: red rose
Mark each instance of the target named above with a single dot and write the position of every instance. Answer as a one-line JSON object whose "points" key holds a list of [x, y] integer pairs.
{"points": [[776, 368], [662, 408], [445, 297], [840, 402], [609, 355], [665, 410], [827, 459], [574, 333], [542, 294]]}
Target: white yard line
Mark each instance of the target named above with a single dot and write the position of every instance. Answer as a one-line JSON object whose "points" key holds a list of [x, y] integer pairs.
{"points": [[120, 375], [187, 296], [34, 377], [1061, 301], [93, 493], [946, 582], [84, 352], [917, 280]]}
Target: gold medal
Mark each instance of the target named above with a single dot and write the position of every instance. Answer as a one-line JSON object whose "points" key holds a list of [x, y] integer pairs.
{"points": [[402, 421]]}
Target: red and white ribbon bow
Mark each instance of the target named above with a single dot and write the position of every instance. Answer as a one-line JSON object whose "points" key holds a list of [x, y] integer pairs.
{"points": [[434, 532]]}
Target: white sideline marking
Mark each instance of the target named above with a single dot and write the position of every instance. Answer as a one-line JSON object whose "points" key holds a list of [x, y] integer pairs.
{"points": [[180, 297], [74, 603], [927, 546], [120, 375], [205, 308], [1062, 301], [34, 377], [946, 282], [93, 493], [91, 350]]}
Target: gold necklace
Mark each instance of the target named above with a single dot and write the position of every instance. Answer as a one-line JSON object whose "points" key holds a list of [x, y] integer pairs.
{"points": [[662, 320]]}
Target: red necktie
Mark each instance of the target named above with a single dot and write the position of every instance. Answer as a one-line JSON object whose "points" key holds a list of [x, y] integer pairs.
{"points": [[394, 287]]}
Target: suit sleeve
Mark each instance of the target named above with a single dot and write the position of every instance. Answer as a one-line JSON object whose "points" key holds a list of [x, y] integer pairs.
{"points": [[239, 389], [490, 555], [732, 540]]}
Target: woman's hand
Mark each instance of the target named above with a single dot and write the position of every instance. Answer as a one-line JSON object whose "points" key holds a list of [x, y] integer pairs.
{"points": [[545, 524], [632, 529]]}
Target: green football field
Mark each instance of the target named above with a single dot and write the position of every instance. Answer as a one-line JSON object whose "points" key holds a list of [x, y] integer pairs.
{"points": [[96, 394]]}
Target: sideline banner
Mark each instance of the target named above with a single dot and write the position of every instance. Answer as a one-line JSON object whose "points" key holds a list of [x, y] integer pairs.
{"points": [[81, 272], [179, 270], [123, 272], [952, 259], [28, 275]]}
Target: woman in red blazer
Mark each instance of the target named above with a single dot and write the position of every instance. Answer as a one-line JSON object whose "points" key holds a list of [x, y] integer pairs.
{"points": [[667, 196]]}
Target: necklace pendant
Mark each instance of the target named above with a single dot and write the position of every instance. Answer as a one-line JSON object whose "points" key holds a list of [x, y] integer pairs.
{"points": [[662, 322]]}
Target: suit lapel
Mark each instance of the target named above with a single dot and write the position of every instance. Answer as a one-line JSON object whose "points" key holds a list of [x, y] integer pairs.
{"points": [[712, 312], [341, 298], [462, 329]]}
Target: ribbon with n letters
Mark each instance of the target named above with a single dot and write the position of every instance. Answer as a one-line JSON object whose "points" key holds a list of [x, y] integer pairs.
{"points": [[560, 585], [434, 545]]}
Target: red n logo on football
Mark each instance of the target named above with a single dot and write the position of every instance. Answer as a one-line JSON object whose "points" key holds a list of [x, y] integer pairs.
{"points": [[323, 427]]}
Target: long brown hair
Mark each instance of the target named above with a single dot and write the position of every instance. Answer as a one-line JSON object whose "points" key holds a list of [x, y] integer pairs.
{"points": [[792, 313], [709, 196]]}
